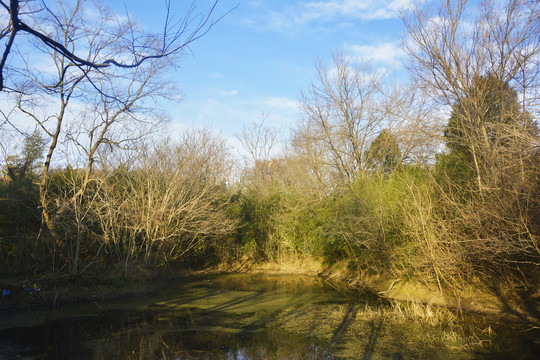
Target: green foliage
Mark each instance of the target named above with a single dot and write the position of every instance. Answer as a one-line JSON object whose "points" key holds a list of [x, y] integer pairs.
{"points": [[20, 215], [19, 193], [369, 220], [307, 233], [384, 152], [301, 224], [485, 117], [23, 165], [364, 222], [255, 233]]}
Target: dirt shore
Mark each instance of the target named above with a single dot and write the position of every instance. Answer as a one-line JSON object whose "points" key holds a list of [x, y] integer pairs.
{"points": [[57, 291]]}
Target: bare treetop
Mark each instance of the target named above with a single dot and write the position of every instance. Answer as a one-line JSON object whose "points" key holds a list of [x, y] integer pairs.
{"points": [[134, 47]]}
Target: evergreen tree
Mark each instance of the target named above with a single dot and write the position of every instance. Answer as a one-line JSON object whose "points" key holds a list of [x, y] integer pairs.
{"points": [[489, 116], [21, 166], [384, 152]]}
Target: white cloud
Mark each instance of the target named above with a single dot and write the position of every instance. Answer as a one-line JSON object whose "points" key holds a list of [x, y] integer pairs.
{"points": [[358, 9], [280, 102], [363, 9], [385, 53], [229, 93], [397, 5], [301, 13]]}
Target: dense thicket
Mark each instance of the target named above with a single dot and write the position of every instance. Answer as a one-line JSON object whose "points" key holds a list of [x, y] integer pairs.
{"points": [[169, 202]]}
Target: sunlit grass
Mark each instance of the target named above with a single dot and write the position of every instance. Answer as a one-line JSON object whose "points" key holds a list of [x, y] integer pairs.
{"points": [[382, 328]]}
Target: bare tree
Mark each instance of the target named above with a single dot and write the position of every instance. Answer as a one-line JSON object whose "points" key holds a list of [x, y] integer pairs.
{"points": [[411, 117], [346, 109], [258, 140], [89, 102], [342, 114], [170, 201], [482, 66], [451, 50], [21, 19]]}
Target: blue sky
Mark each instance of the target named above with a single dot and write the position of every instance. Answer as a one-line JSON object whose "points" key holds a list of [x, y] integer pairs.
{"points": [[260, 56]]}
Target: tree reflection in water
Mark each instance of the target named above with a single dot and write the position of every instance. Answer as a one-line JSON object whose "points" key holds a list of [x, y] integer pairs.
{"points": [[247, 317]]}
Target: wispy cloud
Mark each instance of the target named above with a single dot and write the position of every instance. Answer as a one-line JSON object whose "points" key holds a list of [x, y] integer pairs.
{"points": [[231, 113], [228, 115], [279, 102], [387, 54], [359, 9], [303, 13], [229, 93]]}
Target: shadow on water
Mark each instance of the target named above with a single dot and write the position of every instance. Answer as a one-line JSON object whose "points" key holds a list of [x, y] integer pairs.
{"points": [[343, 326], [372, 340], [253, 317]]}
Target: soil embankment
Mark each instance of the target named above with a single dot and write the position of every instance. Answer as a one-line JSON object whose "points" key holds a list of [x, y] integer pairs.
{"points": [[59, 291]]}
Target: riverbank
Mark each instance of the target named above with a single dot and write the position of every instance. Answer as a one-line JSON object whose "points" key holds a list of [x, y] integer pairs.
{"points": [[255, 315], [502, 301], [53, 290], [58, 291]]}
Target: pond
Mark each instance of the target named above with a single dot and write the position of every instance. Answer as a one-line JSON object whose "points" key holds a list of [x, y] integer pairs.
{"points": [[259, 317]]}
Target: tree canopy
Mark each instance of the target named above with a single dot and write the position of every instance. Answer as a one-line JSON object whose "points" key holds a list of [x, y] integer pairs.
{"points": [[384, 152], [486, 117], [133, 46]]}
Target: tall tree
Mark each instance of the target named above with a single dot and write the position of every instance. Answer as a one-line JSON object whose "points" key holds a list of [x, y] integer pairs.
{"points": [[97, 86], [481, 62], [384, 152], [21, 21], [461, 54], [342, 111], [23, 165], [489, 117]]}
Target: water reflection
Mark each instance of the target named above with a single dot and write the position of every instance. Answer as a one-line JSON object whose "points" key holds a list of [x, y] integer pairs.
{"points": [[254, 317]]}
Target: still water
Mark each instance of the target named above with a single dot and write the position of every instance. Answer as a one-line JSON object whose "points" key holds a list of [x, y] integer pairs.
{"points": [[259, 317]]}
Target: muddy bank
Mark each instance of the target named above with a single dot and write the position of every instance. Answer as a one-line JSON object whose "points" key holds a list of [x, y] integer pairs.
{"points": [[57, 291], [255, 316], [469, 299], [53, 290]]}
